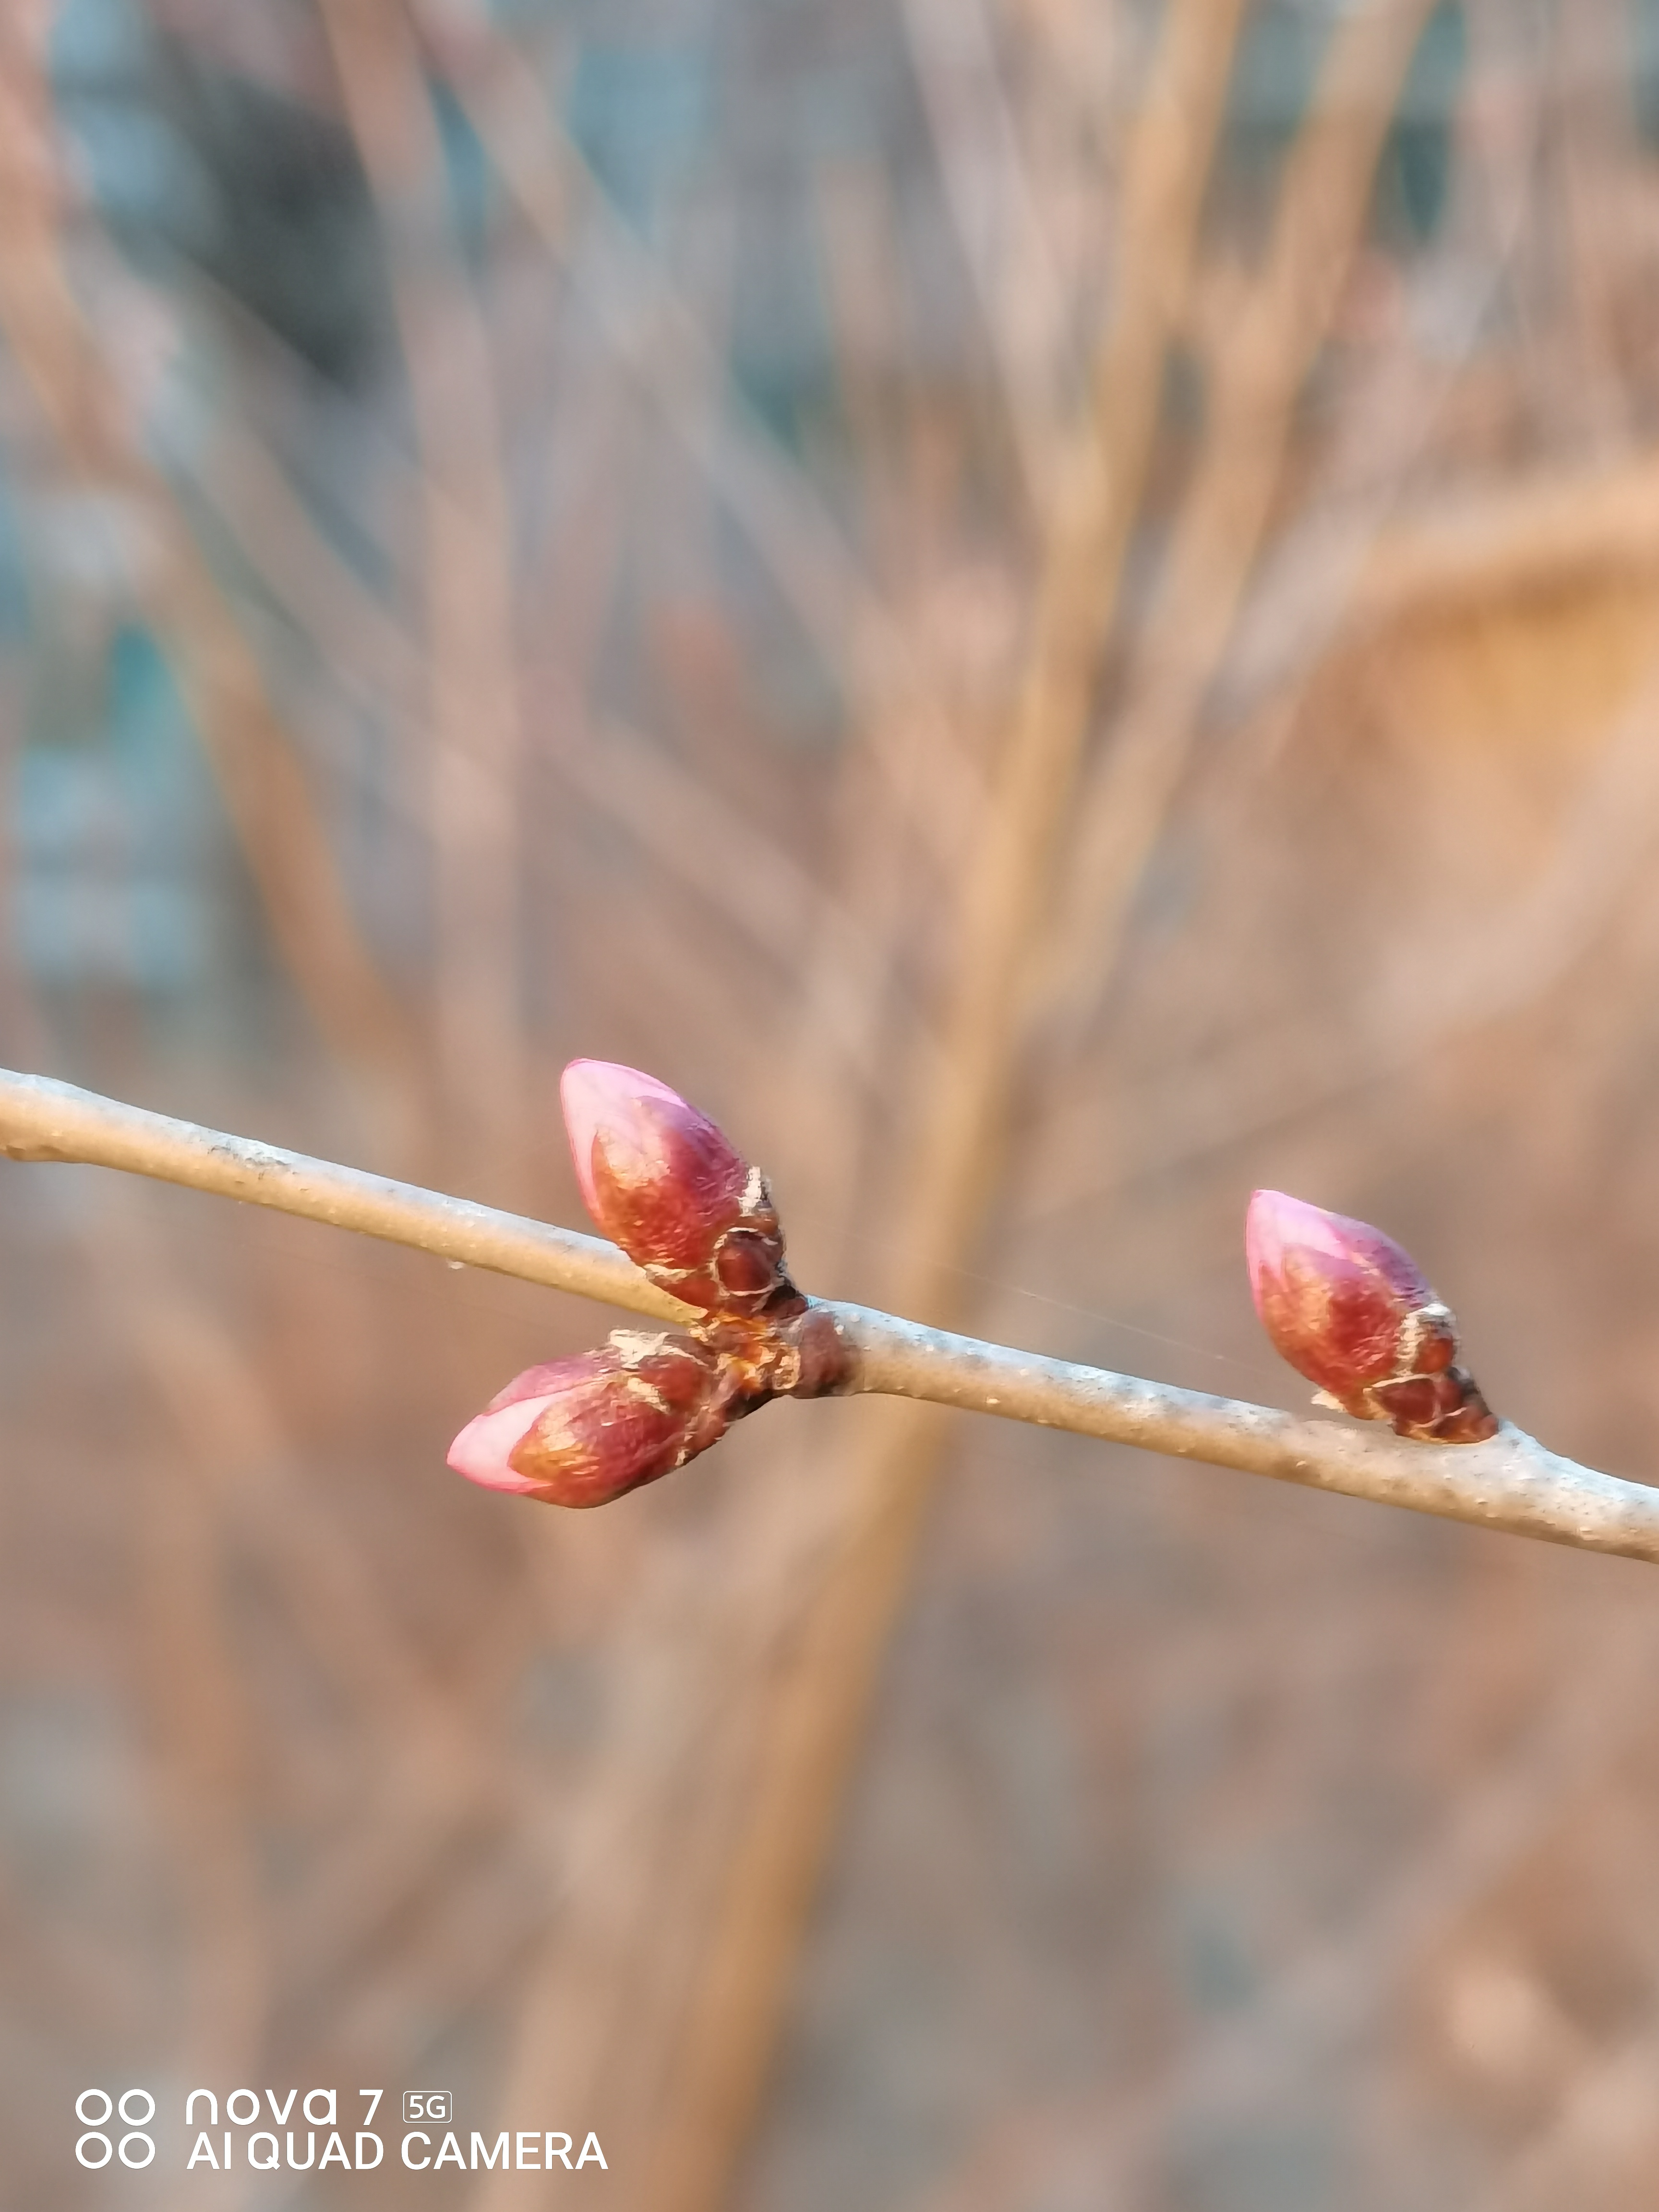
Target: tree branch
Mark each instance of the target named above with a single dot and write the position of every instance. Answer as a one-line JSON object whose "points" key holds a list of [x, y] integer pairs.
{"points": [[1510, 1483]]}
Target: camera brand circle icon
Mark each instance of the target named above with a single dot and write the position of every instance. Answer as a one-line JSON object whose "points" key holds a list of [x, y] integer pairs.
{"points": [[96, 2108]]}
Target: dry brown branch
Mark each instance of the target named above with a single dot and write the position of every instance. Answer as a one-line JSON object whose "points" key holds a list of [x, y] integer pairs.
{"points": [[678, 820], [1008, 877], [681, 823], [1512, 959], [812, 1731], [265, 793], [656, 334], [1604, 2123], [1327, 1994], [466, 567], [1318, 576], [1536, 535], [235, 1479], [600, 2012], [1260, 364], [999, 219], [229, 1485], [198, 1693], [240, 1459]]}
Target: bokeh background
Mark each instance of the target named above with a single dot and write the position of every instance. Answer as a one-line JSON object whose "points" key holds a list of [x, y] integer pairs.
{"points": [[1052, 608]]}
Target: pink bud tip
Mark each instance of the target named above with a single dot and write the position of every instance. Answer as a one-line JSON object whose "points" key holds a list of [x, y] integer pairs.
{"points": [[583, 1431], [1352, 1311], [664, 1182]]}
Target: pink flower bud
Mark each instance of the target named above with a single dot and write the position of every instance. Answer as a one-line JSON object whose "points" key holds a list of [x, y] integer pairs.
{"points": [[583, 1431], [662, 1181], [1352, 1311]]}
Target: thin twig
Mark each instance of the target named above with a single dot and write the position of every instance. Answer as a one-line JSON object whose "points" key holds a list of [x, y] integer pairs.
{"points": [[1259, 371], [267, 795], [42, 1120], [1511, 1483], [466, 571], [1000, 220]]}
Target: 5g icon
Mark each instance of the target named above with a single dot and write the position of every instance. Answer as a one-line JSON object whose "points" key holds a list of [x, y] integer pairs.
{"points": [[428, 2104]]}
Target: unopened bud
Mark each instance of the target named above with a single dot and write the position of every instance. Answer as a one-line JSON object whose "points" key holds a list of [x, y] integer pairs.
{"points": [[583, 1431], [662, 1181], [1352, 1311]]}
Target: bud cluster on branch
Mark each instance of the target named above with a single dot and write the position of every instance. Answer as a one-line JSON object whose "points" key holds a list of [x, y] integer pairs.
{"points": [[1341, 1302], [698, 1221], [704, 1254]]}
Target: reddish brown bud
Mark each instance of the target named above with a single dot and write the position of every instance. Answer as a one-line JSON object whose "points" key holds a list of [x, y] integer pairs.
{"points": [[1352, 1311], [583, 1431], [662, 1181]]}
